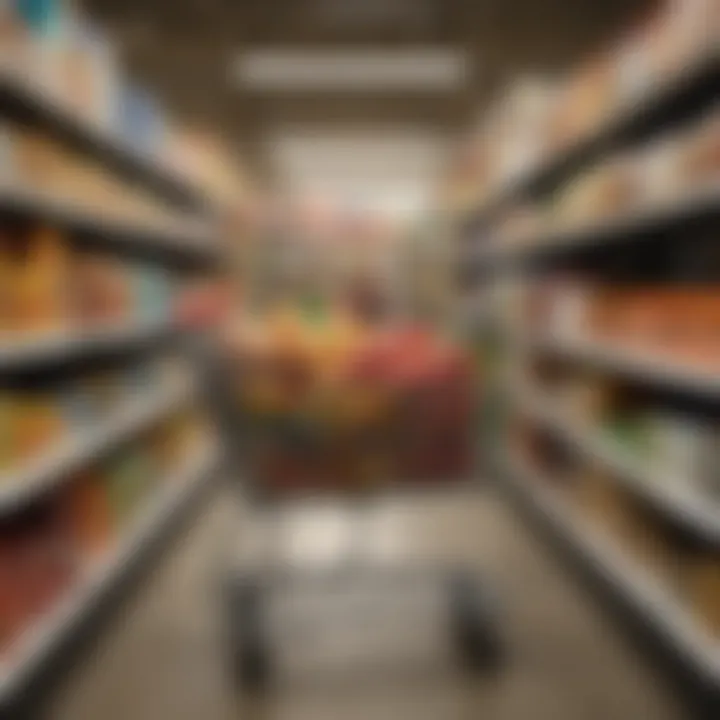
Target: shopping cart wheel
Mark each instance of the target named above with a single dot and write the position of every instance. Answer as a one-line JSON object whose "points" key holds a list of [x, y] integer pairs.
{"points": [[249, 649], [475, 624]]}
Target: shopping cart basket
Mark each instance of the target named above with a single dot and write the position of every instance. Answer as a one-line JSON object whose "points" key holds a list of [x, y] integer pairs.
{"points": [[301, 460]]}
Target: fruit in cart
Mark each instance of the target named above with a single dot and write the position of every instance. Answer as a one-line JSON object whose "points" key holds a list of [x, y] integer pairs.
{"points": [[347, 406]]}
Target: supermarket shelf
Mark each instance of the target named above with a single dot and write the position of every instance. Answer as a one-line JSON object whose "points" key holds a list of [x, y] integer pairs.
{"points": [[634, 589], [701, 206], [57, 629], [183, 237], [45, 350], [22, 100], [20, 487], [634, 365], [691, 90], [690, 512]]}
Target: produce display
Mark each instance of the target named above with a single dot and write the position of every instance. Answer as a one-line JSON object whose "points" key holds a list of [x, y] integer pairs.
{"points": [[47, 284], [47, 549], [336, 404]]}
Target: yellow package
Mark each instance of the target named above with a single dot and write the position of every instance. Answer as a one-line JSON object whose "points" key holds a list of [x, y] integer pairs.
{"points": [[43, 282]]}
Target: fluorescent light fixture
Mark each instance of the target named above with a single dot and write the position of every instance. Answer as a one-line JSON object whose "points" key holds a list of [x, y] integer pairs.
{"points": [[356, 70]]}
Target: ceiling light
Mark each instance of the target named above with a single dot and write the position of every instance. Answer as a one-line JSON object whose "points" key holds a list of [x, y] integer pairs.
{"points": [[292, 70]]}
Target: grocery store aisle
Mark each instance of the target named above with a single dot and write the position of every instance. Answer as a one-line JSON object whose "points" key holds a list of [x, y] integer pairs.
{"points": [[569, 661]]}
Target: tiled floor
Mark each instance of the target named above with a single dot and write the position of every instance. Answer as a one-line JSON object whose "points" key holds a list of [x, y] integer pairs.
{"points": [[163, 659]]}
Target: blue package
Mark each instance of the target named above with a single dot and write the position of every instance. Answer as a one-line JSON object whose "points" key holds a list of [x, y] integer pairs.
{"points": [[41, 16], [153, 293], [140, 121]]}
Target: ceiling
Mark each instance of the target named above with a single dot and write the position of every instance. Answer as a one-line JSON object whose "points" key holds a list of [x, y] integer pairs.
{"points": [[186, 50]]}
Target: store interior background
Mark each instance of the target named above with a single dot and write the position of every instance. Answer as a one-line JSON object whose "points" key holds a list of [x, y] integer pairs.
{"points": [[245, 159], [199, 57]]}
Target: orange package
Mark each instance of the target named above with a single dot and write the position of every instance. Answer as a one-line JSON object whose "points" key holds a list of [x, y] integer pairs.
{"points": [[697, 322], [101, 290], [88, 512], [36, 422], [40, 266], [7, 283]]}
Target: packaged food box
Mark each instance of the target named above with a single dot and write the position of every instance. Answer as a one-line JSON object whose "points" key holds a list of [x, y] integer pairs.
{"points": [[87, 505], [102, 292], [41, 268], [36, 422], [130, 475], [152, 291], [140, 119], [7, 445], [8, 279], [38, 35], [29, 426], [684, 32], [38, 563], [701, 589], [88, 72], [8, 169]]}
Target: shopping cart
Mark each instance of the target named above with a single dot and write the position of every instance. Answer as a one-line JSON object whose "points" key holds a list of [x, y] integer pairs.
{"points": [[260, 454]]}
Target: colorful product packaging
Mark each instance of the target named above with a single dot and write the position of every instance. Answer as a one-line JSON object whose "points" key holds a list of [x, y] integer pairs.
{"points": [[152, 291], [87, 505], [41, 266]]}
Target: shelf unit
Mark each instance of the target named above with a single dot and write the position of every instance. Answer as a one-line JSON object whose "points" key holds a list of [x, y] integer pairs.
{"points": [[691, 513], [56, 631], [42, 475], [25, 102], [41, 352], [640, 367], [184, 239], [638, 225], [633, 588], [659, 107], [484, 259]]}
